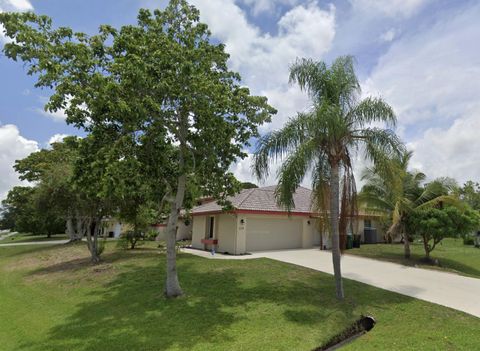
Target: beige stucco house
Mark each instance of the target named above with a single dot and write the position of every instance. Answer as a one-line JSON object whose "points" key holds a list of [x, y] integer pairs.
{"points": [[184, 230], [257, 223]]}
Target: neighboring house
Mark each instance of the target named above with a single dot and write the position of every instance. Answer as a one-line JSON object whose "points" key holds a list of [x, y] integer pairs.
{"points": [[184, 229], [112, 227], [257, 223]]}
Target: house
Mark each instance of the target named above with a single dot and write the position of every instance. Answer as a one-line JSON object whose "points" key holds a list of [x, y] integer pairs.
{"points": [[112, 227], [184, 229], [257, 223]]}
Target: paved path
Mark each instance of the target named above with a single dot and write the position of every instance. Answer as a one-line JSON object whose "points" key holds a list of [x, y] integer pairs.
{"points": [[50, 242], [4, 236], [447, 289]]}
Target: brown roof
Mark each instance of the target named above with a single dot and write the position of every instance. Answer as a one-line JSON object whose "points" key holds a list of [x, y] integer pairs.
{"points": [[261, 200]]}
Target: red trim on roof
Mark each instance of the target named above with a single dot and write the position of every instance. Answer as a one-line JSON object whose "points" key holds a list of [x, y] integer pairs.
{"points": [[278, 213], [281, 213]]}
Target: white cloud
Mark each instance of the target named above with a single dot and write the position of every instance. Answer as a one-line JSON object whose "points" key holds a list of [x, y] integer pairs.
{"points": [[16, 5], [57, 116], [390, 8], [57, 138], [389, 35], [451, 152], [267, 6], [432, 78], [12, 147], [263, 59]]}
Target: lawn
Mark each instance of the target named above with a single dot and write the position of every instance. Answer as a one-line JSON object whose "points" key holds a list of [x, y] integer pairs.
{"points": [[51, 298], [26, 237], [452, 255]]}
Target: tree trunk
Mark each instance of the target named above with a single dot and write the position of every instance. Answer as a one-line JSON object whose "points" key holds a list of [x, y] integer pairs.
{"points": [[406, 245], [172, 285], [334, 213], [321, 240], [426, 248], [73, 234], [92, 240]]}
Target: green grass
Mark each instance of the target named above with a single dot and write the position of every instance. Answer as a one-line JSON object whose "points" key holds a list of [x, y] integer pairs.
{"points": [[452, 255], [51, 298], [25, 237]]}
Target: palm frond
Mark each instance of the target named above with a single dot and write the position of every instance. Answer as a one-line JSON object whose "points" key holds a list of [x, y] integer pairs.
{"points": [[292, 172], [371, 110], [276, 145]]}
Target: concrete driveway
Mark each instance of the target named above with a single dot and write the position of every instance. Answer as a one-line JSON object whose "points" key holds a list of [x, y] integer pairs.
{"points": [[447, 289]]}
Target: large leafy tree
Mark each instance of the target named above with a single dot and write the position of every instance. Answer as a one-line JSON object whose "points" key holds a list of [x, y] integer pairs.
{"points": [[324, 139], [51, 171], [161, 81], [433, 224], [396, 192]]}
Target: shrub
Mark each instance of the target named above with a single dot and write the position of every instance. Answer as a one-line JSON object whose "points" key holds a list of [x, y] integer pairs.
{"points": [[468, 240], [151, 235], [130, 239]]}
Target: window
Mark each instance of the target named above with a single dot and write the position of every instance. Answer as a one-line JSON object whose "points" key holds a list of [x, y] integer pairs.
{"points": [[367, 223], [211, 225]]}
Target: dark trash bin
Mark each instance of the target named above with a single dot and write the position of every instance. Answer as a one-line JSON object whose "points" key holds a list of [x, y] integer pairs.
{"points": [[370, 235], [356, 241], [349, 242]]}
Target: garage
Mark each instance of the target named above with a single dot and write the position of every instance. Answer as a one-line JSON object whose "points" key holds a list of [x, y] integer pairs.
{"points": [[273, 234]]}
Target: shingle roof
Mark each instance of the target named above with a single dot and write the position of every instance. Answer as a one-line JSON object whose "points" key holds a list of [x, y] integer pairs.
{"points": [[261, 199]]}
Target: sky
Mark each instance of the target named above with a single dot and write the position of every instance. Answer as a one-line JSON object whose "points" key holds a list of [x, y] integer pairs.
{"points": [[421, 56]]}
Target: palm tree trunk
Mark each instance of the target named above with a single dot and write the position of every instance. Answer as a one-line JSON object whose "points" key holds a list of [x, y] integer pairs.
{"points": [[407, 242], [334, 213], [406, 245]]}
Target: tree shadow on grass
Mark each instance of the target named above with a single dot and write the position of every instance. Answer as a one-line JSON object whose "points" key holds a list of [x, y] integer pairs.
{"points": [[130, 312]]}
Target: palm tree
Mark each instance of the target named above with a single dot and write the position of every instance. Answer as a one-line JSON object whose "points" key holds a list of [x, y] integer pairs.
{"points": [[395, 191], [323, 140]]}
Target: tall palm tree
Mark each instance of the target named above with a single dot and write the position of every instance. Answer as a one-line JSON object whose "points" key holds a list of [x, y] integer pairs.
{"points": [[323, 140], [395, 191]]}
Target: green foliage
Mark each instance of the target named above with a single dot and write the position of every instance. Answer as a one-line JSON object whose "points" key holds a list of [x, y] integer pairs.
{"points": [[131, 239], [395, 191], [470, 193], [468, 240], [248, 185], [32, 210], [433, 224]]}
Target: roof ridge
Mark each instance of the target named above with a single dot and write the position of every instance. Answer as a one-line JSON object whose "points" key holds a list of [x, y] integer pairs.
{"points": [[246, 197]]}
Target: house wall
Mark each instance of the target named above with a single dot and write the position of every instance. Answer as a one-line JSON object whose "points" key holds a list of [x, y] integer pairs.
{"points": [[184, 232], [241, 233], [114, 226], [198, 231], [225, 233], [375, 224]]}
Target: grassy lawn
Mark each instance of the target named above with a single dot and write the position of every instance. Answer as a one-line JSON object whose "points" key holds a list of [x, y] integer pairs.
{"points": [[22, 237], [51, 298], [452, 255]]}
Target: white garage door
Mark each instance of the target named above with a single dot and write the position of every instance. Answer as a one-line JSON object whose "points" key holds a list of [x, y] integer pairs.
{"points": [[273, 234]]}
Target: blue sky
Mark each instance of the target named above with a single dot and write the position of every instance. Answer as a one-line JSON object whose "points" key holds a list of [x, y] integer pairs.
{"points": [[422, 56]]}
